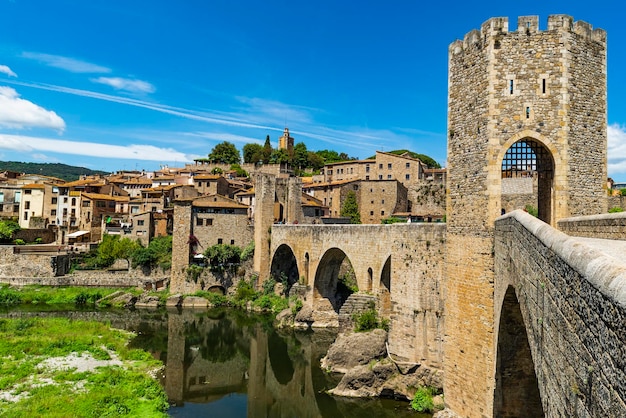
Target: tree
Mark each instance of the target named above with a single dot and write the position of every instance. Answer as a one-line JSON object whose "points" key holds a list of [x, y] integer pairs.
{"points": [[252, 153], [300, 155], [316, 162], [125, 248], [350, 208], [267, 150], [329, 156], [7, 229], [225, 153], [279, 156]]}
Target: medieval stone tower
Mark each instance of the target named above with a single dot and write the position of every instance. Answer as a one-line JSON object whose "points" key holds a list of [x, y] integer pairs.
{"points": [[527, 105]]}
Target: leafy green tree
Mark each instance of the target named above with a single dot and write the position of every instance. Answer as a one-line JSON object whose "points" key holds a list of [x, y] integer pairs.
{"points": [[7, 229], [157, 253], [225, 153], [252, 153], [240, 172], [125, 248], [316, 162], [300, 155], [329, 156], [350, 208], [105, 254], [279, 156]]}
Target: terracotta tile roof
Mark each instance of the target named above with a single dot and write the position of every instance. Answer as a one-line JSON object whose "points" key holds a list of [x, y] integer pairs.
{"points": [[308, 200], [98, 196], [330, 183], [207, 176], [33, 186], [86, 182], [216, 201]]}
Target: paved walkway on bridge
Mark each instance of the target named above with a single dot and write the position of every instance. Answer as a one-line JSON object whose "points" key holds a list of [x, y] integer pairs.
{"points": [[612, 248]]}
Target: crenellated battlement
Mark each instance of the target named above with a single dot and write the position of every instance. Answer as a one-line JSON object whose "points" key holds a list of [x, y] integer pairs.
{"points": [[499, 26]]}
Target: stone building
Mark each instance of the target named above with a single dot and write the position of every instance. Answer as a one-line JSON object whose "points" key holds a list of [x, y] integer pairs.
{"points": [[286, 141], [526, 99]]}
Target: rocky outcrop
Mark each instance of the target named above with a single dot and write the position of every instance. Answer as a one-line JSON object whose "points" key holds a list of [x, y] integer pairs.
{"points": [[355, 349], [370, 372], [365, 381]]}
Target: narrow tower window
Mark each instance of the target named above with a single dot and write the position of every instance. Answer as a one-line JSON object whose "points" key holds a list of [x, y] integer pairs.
{"points": [[543, 86], [527, 112], [511, 86]]}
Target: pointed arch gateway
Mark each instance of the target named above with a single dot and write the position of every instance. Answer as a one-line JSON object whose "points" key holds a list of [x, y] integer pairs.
{"points": [[527, 176]]}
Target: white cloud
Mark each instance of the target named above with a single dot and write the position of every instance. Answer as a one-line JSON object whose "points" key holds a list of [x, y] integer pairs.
{"points": [[616, 138], [19, 113], [6, 70], [133, 86], [66, 63], [91, 149]]}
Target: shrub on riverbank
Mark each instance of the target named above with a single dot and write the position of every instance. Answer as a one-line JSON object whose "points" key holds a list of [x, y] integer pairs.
{"points": [[39, 375]]}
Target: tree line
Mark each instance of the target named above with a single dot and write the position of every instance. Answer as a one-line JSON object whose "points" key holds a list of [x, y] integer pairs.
{"points": [[300, 158]]}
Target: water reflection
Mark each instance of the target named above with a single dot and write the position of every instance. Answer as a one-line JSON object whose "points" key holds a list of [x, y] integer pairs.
{"points": [[225, 363]]}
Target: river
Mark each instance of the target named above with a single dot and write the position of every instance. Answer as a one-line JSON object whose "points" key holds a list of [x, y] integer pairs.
{"points": [[226, 363]]}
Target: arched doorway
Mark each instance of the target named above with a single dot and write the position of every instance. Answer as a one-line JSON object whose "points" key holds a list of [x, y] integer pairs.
{"points": [[516, 383], [527, 179], [335, 279], [284, 268]]}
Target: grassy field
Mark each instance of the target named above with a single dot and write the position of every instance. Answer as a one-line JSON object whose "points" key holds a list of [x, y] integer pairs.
{"points": [[57, 367]]}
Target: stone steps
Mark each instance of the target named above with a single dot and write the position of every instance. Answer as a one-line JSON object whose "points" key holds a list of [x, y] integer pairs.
{"points": [[356, 303]]}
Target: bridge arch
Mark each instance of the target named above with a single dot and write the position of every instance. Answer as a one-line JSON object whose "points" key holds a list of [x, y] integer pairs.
{"points": [[516, 385], [284, 262], [330, 278], [384, 290], [529, 165]]}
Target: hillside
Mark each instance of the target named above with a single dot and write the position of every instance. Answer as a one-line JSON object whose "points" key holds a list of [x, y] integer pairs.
{"points": [[62, 171]]}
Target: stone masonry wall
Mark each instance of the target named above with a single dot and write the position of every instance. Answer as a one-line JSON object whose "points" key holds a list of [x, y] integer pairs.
{"points": [[573, 302], [606, 226]]}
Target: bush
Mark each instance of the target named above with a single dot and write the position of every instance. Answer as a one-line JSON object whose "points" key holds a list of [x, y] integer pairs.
{"points": [[368, 320], [19, 241], [248, 252], [423, 399], [223, 255], [532, 210], [616, 209], [245, 291], [38, 240]]}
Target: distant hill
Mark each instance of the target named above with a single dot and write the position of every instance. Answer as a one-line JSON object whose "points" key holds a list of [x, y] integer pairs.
{"points": [[430, 163], [62, 171]]}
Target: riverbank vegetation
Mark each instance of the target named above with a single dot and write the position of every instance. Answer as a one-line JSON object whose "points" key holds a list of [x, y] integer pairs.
{"points": [[157, 254], [60, 367], [46, 295]]}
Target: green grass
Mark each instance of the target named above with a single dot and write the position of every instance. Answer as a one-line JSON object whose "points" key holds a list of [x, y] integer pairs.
{"points": [[106, 392], [47, 295]]}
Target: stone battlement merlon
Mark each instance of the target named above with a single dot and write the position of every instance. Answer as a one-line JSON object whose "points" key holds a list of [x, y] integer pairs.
{"points": [[498, 26]]}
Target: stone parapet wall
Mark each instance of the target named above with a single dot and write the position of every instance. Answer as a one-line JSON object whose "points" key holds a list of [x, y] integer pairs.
{"points": [[93, 278], [606, 226], [573, 303]]}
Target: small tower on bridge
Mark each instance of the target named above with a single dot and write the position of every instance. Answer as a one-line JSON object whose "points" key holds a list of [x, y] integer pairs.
{"points": [[526, 126]]}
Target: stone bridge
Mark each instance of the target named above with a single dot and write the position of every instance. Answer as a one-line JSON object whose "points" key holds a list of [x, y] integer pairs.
{"points": [[559, 308], [400, 265]]}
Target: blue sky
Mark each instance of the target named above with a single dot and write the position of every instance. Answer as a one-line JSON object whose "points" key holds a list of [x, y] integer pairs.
{"points": [[114, 85]]}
